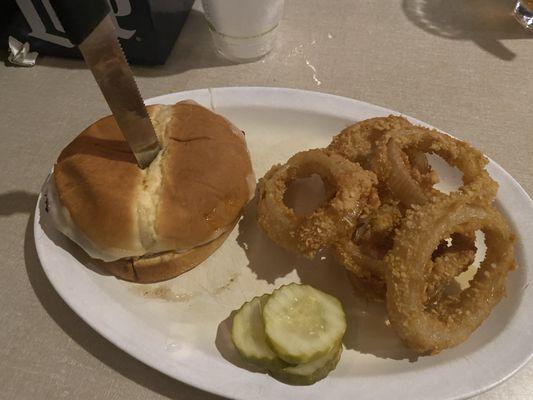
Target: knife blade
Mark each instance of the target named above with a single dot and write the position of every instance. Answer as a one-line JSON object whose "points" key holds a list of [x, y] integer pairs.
{"points": [[88, 23]]}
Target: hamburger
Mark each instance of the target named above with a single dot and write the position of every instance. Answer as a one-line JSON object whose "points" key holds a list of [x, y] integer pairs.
{"points": [[153, 224]]}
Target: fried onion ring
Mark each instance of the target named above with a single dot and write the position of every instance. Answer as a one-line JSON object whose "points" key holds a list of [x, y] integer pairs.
{"points": [[449, 262], [357, 142], [388, 165], [410, 180], [353, 193], [363, 256], [454, 317]]}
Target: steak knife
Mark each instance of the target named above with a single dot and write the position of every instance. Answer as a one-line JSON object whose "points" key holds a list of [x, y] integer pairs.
{"points": [[89, 25]]}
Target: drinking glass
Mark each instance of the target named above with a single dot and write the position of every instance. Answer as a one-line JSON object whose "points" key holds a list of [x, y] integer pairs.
{"points": [[243, 30]]}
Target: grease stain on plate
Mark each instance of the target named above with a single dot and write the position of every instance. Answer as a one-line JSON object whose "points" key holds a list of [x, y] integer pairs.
{"points": [[163, 292], [167, 293], [226, 285]]}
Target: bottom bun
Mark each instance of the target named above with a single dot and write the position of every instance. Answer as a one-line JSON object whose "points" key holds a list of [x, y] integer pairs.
{"points": [[163, 266]]}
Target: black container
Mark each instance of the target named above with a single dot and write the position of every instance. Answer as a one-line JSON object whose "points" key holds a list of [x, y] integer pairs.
{"points": [[147, 29]]}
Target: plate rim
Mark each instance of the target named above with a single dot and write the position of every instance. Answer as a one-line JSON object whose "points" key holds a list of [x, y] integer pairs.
{"points": [[494, 167]]}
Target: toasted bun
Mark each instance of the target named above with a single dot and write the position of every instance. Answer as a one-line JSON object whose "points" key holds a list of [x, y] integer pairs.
{"points": [[189, 196], [163, 266]]}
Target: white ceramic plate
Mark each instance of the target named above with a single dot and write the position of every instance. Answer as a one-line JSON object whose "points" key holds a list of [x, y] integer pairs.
{"points": [[180, 327]]}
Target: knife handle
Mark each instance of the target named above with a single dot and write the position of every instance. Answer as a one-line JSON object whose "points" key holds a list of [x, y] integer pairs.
{"points": [[80, 17]]}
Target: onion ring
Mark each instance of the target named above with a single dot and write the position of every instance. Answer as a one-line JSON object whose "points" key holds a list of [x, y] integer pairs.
{"points": [[409, 191], [361, 253], [449, 262], [357, 142], [363, 256], [400, 181], [453, 318], [353, 193], [387, 164]]}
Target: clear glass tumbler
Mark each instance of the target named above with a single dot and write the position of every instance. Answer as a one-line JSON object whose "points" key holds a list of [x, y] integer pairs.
{"points": [[243, 30], [523, 12]]}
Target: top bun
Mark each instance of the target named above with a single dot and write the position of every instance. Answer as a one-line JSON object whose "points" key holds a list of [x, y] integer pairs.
{"points": [[191, 193]]}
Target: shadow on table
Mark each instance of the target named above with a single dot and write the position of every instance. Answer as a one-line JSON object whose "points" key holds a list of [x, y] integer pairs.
{"points": [[193, 50], [82, 333], [17, 201], [485, 22]]}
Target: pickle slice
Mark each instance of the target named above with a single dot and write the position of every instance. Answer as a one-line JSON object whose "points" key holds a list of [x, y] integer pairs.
{"points": [[311, 372], [302, 323], [248, 335]]}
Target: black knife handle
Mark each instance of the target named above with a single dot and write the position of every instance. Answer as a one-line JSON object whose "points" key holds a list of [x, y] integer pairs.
{"points": [[80, 17]]}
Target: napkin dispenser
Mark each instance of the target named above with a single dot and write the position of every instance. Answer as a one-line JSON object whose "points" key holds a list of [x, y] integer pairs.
{"points": [[147, 29]]}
